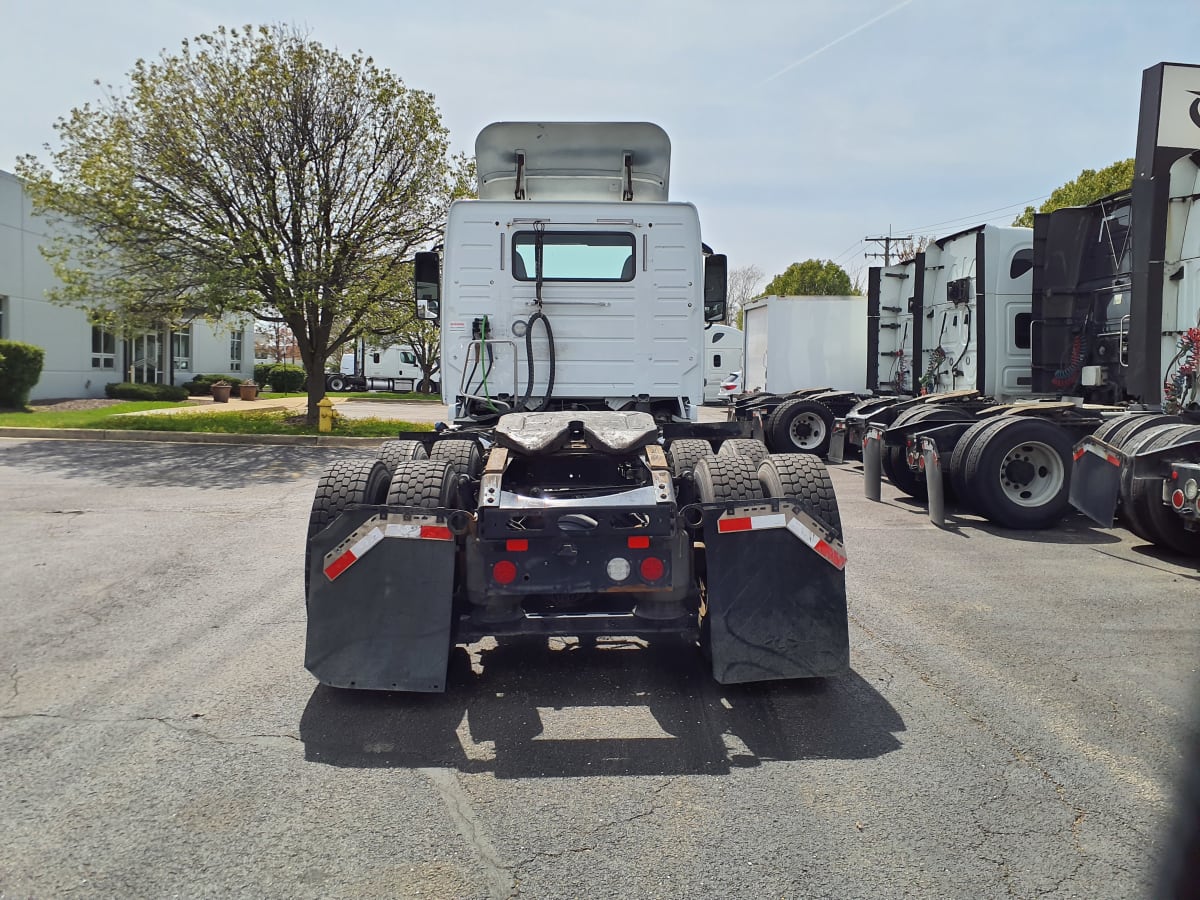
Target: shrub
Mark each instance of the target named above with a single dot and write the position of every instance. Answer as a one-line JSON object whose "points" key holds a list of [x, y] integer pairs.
{"points": [[128, 391], [262, 372], [20, 369], [287, 379], [201, 385]]}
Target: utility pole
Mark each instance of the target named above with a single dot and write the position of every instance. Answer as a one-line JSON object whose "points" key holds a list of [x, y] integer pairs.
{"points": [[887, 241]]}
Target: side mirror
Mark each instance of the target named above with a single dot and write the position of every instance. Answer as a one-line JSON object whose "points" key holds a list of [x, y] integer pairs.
{"points": [[716, 281], [426, 285]]}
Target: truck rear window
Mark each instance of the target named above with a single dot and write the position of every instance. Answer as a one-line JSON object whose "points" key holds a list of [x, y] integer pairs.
{"points": [[574, 256]]}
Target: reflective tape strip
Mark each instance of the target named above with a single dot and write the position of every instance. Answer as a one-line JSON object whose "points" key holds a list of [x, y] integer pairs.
{"points": [[751, 523], [823, 548], [412, 531], [354, 554], [1109, 458]]}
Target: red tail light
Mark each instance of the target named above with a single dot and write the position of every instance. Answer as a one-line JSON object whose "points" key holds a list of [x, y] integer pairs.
{"points": [[652, 568]]}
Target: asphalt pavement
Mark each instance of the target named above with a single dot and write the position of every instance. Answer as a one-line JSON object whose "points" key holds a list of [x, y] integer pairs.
{"points": [[1012, 726]]}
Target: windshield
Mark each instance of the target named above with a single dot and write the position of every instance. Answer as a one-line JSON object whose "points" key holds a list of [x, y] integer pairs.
{"points": [[574, 256]]}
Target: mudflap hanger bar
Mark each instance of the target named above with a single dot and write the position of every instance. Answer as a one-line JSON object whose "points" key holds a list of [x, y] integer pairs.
{"points": [[776, 592], [380, 584]]}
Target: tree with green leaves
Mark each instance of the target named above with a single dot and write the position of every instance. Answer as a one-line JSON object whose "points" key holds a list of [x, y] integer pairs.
{"points": [[813, 276], [256, 173], [1088, 186]]}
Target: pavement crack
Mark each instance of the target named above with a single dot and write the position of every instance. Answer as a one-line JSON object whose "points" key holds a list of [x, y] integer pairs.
{"points": [[501, 880], [174, 725], [14, 681]]}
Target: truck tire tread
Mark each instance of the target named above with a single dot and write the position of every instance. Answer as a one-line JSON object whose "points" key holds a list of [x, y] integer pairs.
{"points": [[720, 479], [751, 448], [1155, 522], [392, 453], [803, 478], [685, 452], [428, 483], [461, 453]]}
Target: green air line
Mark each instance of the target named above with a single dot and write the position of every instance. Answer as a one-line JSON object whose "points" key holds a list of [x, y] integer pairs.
{"points": [[483, 363]]}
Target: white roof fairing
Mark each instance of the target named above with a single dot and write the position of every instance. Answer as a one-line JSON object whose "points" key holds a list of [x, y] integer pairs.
{"points": [[573, 160]]}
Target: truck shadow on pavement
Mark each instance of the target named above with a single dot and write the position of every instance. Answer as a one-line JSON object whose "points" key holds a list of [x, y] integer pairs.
{"points": [[155, 464], [612, 708], [1073, 528]]}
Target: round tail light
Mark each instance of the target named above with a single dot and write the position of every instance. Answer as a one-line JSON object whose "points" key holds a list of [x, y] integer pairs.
{"points": [[504, 572], [652, 568]]}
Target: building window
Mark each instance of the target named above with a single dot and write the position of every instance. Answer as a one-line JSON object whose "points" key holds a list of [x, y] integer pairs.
{"points": [[181, 349], [104, 348], [235, 351], [3, 317]]}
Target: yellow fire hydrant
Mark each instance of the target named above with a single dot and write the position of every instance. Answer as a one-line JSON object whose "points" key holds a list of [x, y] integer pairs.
{"points": [[325, 422]]}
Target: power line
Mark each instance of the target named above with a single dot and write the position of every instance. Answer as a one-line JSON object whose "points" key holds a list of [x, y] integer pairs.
{"points": [[847, 252], [887, 241], [986, 212]]}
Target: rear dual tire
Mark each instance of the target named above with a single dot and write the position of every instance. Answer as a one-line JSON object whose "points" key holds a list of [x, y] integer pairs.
{"points": [[346, 483], [1016, 472], [799, 426]]}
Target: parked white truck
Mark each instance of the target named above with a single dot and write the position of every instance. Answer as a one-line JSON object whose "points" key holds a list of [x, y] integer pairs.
{"points": [[394, 368], [575, 492]]}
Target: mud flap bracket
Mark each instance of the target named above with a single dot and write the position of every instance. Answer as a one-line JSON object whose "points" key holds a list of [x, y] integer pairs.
{"points": [[872, 451]]}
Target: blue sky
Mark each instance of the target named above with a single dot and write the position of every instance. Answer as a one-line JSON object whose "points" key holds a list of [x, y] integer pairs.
{"points": [[797, 128]]}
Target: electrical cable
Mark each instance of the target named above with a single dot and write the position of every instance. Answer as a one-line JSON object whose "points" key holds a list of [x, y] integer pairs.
{"points": [[538, 231]]}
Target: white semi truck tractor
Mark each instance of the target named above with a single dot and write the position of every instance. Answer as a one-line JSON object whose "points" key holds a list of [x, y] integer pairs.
{"points": [[1079, 388], [575, 492]]}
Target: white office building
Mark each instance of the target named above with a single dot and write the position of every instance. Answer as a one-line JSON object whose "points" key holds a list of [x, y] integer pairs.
{"points": [[81, 358]]}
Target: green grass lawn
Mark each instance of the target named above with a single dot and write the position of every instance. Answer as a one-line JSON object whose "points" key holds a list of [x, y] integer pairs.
{"points": [[265, 422], [79, 418]]}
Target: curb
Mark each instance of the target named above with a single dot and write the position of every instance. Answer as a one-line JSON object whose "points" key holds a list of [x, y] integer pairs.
{"points": [[189, 437]]}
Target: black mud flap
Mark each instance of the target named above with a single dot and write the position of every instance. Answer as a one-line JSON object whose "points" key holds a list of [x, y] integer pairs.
{"points": [[380, 593], [1096, 480], [776, 593]]}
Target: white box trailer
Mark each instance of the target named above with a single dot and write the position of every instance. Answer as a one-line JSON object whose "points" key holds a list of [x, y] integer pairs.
{"points": [[804, 367], [793, 343]]}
